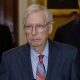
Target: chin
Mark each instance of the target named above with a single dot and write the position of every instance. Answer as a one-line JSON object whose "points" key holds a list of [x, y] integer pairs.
{"points": [[35, 44]]}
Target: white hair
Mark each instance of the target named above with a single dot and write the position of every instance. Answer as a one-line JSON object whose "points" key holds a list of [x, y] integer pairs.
{"points": [[35, 8]]}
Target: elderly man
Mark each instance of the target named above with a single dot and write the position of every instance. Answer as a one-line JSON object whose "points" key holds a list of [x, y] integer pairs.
{"points": [[39, 59]]}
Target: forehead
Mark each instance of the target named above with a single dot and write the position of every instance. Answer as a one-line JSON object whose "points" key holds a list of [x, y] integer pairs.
{"points": [[38, 16]]}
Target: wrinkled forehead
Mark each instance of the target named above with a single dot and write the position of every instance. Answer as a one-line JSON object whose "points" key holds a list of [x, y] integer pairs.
{"points": [[36, 16], [35, 12]]}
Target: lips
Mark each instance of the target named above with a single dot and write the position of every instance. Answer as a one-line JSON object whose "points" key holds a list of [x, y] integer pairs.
{"points": [[35, 39]]}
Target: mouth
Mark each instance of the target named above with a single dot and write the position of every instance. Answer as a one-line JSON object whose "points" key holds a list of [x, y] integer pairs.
{"points": [[35, 39]]}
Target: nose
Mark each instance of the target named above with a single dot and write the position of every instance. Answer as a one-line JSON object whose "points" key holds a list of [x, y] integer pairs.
{"points": [[34, 30]]}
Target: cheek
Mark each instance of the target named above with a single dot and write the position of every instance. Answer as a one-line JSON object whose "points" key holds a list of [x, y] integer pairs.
{"points": [[45, 35], [27, 35]]}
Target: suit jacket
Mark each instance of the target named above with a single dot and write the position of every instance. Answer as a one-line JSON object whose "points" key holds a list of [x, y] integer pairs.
{"points": [[5, 39], [16, 63], [69, 33]]}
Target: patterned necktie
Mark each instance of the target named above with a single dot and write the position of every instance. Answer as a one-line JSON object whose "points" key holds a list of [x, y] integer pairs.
{"points": [[41, 73]]}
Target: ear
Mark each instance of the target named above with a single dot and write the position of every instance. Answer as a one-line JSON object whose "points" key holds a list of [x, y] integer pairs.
{"points": [[50, 28]]}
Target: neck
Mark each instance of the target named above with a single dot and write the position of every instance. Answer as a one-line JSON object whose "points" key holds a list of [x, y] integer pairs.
{"points": [[39, 49]]}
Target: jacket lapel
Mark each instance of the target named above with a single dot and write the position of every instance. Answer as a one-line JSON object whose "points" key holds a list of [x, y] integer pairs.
{"points": [[26, 64], [52, 59]]}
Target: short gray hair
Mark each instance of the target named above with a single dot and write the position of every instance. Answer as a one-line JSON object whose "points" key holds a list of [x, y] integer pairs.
{"points": [[35, 8]]}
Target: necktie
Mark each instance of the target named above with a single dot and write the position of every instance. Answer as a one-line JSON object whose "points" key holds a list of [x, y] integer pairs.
{"points": [[41, 73]]}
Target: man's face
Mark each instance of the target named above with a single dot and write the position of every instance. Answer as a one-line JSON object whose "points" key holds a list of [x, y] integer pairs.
{"points": [[36, 30]]}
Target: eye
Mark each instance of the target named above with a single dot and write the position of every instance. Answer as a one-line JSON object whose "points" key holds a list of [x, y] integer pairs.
{"points": [[27, 26], [40, 26]]}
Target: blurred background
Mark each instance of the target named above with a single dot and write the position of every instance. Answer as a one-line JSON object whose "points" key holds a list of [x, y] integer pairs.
{"points": [[12, 13]]}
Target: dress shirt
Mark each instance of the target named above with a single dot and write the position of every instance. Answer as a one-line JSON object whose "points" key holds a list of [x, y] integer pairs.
{"points": [[35, 58]]}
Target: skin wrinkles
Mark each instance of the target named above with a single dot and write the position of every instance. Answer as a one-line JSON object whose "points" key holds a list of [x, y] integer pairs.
{"points": [[36, 39]]}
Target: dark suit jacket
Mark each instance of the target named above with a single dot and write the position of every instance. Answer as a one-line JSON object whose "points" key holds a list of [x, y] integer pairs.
{"points": [[16, 63], [5, 39], [69, 33]]}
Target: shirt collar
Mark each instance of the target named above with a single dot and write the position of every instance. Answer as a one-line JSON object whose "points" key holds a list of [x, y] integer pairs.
{"points": [[34, 53]]}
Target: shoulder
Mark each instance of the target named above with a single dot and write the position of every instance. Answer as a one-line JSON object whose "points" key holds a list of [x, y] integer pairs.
{"points": [[17, 50], [66, 26], [4, 27], [65, 49]]}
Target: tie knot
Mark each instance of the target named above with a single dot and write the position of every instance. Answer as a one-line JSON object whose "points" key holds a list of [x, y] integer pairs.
{"points": [[41, 58]]}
